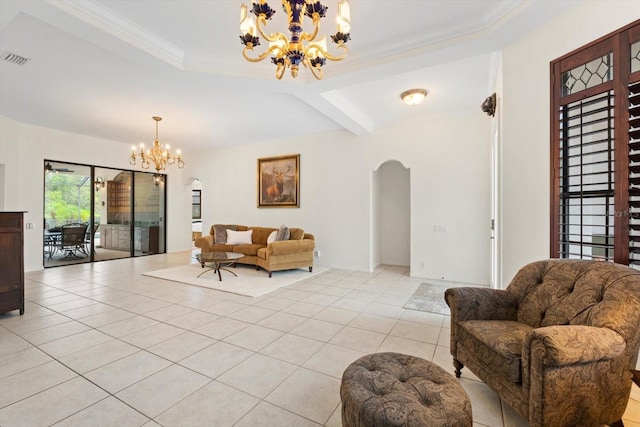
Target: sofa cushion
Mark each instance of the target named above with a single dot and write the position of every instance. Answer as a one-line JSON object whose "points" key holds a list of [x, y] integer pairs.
{"points": [[219, 232], [251, 249], [262, 253], [221, 248], [239, 237], [497, 343], [296, 233], [261, 234], [272, 237]]}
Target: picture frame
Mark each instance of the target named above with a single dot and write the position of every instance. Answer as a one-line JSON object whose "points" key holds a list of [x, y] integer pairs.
{"points": [[279, 182]]}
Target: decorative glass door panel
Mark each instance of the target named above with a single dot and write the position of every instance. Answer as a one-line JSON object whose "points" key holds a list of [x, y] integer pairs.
{"points": [[149, 213]]}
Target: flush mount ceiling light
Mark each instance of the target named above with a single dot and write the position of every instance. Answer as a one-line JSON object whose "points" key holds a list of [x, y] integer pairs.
{"points": [[158, 154], [302, 48], [413, 96]]}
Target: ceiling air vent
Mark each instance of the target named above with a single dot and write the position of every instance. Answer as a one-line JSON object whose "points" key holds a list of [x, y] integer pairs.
{"points": [[14, 59]]}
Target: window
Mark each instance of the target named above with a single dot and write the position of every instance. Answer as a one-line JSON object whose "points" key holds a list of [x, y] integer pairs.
{"points": [[196, 204], [595, 150]]}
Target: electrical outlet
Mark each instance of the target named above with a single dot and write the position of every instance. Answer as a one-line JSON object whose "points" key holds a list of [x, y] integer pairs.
{"points": [[317, 254], [421, 264], [439, 228]]}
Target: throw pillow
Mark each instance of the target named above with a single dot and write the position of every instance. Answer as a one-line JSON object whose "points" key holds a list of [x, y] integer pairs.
{"points": [[272, 237], [283, 233], [296, 233], [220, 235], [239, 237]]}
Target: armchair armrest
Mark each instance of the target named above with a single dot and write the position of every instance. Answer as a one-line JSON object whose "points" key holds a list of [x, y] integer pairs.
{"points": [[284, 247], [549, 349], [563, 345], [480, 304], [204, 242]]}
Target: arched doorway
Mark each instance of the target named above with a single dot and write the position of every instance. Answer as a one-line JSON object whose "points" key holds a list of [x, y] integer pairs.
{"points": [[391, 215]]}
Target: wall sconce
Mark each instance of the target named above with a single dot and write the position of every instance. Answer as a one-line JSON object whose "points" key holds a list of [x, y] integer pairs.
{"points": [[99, 183], [158, 178], [489, 105]]}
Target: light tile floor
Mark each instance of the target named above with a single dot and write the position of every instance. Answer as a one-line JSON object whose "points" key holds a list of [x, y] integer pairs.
{"points": [[103, 345]]}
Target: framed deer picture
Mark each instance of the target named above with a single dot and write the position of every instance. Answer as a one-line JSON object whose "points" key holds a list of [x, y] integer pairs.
{"points": [[279, 182]]}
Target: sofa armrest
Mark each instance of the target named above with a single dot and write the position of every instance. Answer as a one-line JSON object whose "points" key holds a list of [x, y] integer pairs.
{"points": [[204, 242], [284, 247], [563, 345], [480, 304]]}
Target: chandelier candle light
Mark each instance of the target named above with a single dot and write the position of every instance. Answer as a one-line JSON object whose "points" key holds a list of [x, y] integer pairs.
{"points": [[159, 155], [302, 47]]}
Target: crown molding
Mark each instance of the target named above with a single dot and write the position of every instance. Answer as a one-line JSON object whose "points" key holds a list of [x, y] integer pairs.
{"points": [[100, 17]]}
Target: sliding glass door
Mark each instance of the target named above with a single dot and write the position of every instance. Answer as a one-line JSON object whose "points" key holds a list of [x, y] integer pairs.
{"points": [[148, 214], [113, 194], [67, 213], [95, 214]]}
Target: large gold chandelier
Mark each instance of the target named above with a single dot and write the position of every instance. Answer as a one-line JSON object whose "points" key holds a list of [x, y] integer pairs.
{"points": [[302, 47], [159, 155]]}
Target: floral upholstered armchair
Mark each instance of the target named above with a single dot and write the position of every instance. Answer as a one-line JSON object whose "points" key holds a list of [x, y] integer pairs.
{"points": [[558, 344]]}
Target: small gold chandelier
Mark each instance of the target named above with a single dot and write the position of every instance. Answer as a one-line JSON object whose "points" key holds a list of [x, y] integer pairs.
{"points": [[159, 155], [302, 47]]}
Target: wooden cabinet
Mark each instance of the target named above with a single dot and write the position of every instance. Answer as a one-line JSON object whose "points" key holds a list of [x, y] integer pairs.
{"points": [[106, 240], [11, 261], [154, 240], [145, 239], [116, 236], [124, 237]]}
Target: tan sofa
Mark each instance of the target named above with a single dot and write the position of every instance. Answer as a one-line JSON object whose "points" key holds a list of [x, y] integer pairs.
{"points": [[297, 252], [558, 345]]}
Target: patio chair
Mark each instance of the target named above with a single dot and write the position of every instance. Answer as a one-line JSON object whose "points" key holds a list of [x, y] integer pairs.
{"points": [[72, 240]]}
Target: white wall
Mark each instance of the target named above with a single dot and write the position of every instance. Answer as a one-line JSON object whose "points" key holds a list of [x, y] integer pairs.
{"points": [[394, 211], [23, 148], [375, 225], [497, 179], [525, 123], [2, 185], [448, 157]]}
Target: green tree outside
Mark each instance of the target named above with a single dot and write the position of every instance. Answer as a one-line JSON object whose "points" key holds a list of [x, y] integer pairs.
{"points": [[67, 199]]}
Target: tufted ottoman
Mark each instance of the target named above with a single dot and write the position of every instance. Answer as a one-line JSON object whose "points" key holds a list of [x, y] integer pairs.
{"points": [[392, 389]]}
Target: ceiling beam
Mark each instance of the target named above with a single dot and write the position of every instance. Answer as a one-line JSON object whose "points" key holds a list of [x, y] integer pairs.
{"points": [[336, 107]]}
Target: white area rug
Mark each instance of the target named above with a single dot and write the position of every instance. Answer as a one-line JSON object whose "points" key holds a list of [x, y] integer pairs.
{"points": [[249, 282]]}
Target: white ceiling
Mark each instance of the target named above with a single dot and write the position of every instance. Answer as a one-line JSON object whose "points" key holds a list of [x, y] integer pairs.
{"points": [[104, 67]]}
